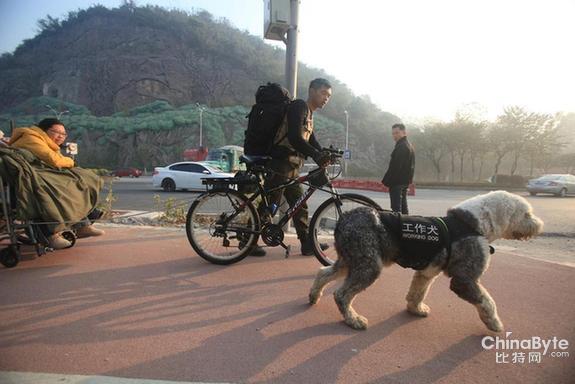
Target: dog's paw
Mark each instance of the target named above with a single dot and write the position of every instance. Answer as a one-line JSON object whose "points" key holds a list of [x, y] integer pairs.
{"points": [[419, 310], [357, 322], [314, 297], [494, 325]]}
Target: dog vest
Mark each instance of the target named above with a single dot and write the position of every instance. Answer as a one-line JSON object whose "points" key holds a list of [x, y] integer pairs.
{"points": [[422, 238]]}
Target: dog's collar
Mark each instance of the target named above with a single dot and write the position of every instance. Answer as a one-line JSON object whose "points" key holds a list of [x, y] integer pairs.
{"points": [[444, 224]]}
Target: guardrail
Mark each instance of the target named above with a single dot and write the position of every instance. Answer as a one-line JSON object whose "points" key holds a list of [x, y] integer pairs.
{"points": [[368, 185]]}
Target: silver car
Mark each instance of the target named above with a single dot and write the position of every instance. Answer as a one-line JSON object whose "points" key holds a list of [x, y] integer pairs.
{"points": [[559, 185]]}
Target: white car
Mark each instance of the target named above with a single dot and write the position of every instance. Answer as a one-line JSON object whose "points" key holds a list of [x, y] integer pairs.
{"points": [[185, 175]]}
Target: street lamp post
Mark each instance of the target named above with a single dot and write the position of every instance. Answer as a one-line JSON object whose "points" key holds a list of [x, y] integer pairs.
{"points": [[346, 140], [56, 113], [201, 109]]}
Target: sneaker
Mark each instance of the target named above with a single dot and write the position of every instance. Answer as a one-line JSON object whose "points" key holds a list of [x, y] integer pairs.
{"points": [[88, 231], [307, 248], [56, 241], [257, 251]]}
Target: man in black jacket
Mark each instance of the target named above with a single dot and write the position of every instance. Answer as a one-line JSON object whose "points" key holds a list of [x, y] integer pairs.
{"points": [[295, 141], [401, 168]]}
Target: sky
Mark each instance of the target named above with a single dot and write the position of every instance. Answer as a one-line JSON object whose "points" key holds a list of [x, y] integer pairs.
{"points": [[419, 59]]}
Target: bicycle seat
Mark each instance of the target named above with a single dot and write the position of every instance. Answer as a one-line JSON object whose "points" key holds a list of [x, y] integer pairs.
{"points": [[254, 159]]}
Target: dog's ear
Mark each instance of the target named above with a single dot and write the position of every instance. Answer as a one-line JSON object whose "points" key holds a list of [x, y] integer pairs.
{"points": [[467, 217], [478, 218]]}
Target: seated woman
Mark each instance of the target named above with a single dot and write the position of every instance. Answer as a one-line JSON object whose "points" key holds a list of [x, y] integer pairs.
{"points": [[44, 141]]}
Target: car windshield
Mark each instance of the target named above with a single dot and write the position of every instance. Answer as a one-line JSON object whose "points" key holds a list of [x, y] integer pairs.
{"points": [[213, 168], [550, 177], [215, 155]]}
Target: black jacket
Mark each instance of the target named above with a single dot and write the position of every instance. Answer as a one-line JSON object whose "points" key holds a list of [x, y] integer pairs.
{"points": [[401, 166]]}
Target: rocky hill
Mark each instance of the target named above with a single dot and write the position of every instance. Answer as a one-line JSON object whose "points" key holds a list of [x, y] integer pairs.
{"points": [[113, 60]]}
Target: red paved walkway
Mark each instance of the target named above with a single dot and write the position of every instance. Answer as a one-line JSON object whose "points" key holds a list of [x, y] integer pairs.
{"points": [[139, 303]]}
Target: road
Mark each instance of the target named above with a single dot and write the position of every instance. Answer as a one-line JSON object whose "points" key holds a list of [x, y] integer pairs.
{"points": [[557, 243], [139, 303]]}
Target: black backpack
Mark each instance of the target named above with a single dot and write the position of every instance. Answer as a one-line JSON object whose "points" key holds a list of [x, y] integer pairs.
{"points": [[265, 118]]}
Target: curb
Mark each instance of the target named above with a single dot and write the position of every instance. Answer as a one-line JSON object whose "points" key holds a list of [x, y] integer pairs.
{"points": [[10, 377]]}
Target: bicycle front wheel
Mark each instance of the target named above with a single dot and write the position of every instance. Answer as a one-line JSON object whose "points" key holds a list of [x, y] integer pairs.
{"points": [[222, 227], [322, 225]]}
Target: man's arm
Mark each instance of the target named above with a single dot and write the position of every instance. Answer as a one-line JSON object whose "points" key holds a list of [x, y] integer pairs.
{"points": [[411, 165], [313, 142], [389, 175], [297, 119]]}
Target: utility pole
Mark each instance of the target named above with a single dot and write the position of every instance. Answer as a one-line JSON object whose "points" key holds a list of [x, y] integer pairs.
{"points": [[281, 18], [291, 48], [346, 141]]}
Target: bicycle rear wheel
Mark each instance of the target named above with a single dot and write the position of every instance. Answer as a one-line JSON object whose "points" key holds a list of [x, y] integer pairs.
{"points": [[322, 225], [222, 227]]}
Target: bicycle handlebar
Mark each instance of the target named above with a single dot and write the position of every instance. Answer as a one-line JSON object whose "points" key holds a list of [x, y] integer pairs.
{"points": [[333, 151], [334, 154]]}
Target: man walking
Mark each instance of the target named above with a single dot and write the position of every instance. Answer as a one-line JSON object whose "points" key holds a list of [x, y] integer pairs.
{"points": [[401, 168], [293, 143]]}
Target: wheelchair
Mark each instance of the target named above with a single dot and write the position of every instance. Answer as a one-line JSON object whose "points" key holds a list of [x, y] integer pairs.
{"points": [[18, 231]]}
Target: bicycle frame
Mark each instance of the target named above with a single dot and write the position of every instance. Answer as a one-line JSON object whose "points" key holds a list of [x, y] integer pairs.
{"points": [[246, 214], [258, 171], [297, 206]]}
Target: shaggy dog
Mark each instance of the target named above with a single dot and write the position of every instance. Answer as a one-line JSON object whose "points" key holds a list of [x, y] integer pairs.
{"points": [[365, 245]]}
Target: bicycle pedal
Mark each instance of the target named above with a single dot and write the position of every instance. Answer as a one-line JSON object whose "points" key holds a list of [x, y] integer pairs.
{"points": [[288, 249]]}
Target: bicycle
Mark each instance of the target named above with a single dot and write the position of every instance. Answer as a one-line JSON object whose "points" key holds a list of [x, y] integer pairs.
{"points": [[223, 224]]}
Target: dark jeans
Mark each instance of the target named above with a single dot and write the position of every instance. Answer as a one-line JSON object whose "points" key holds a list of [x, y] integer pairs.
{"points": [[398, 197]]}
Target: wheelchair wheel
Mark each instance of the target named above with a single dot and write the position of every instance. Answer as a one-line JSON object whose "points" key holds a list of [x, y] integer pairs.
{"points": [[71, 237], [10, 256]]}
